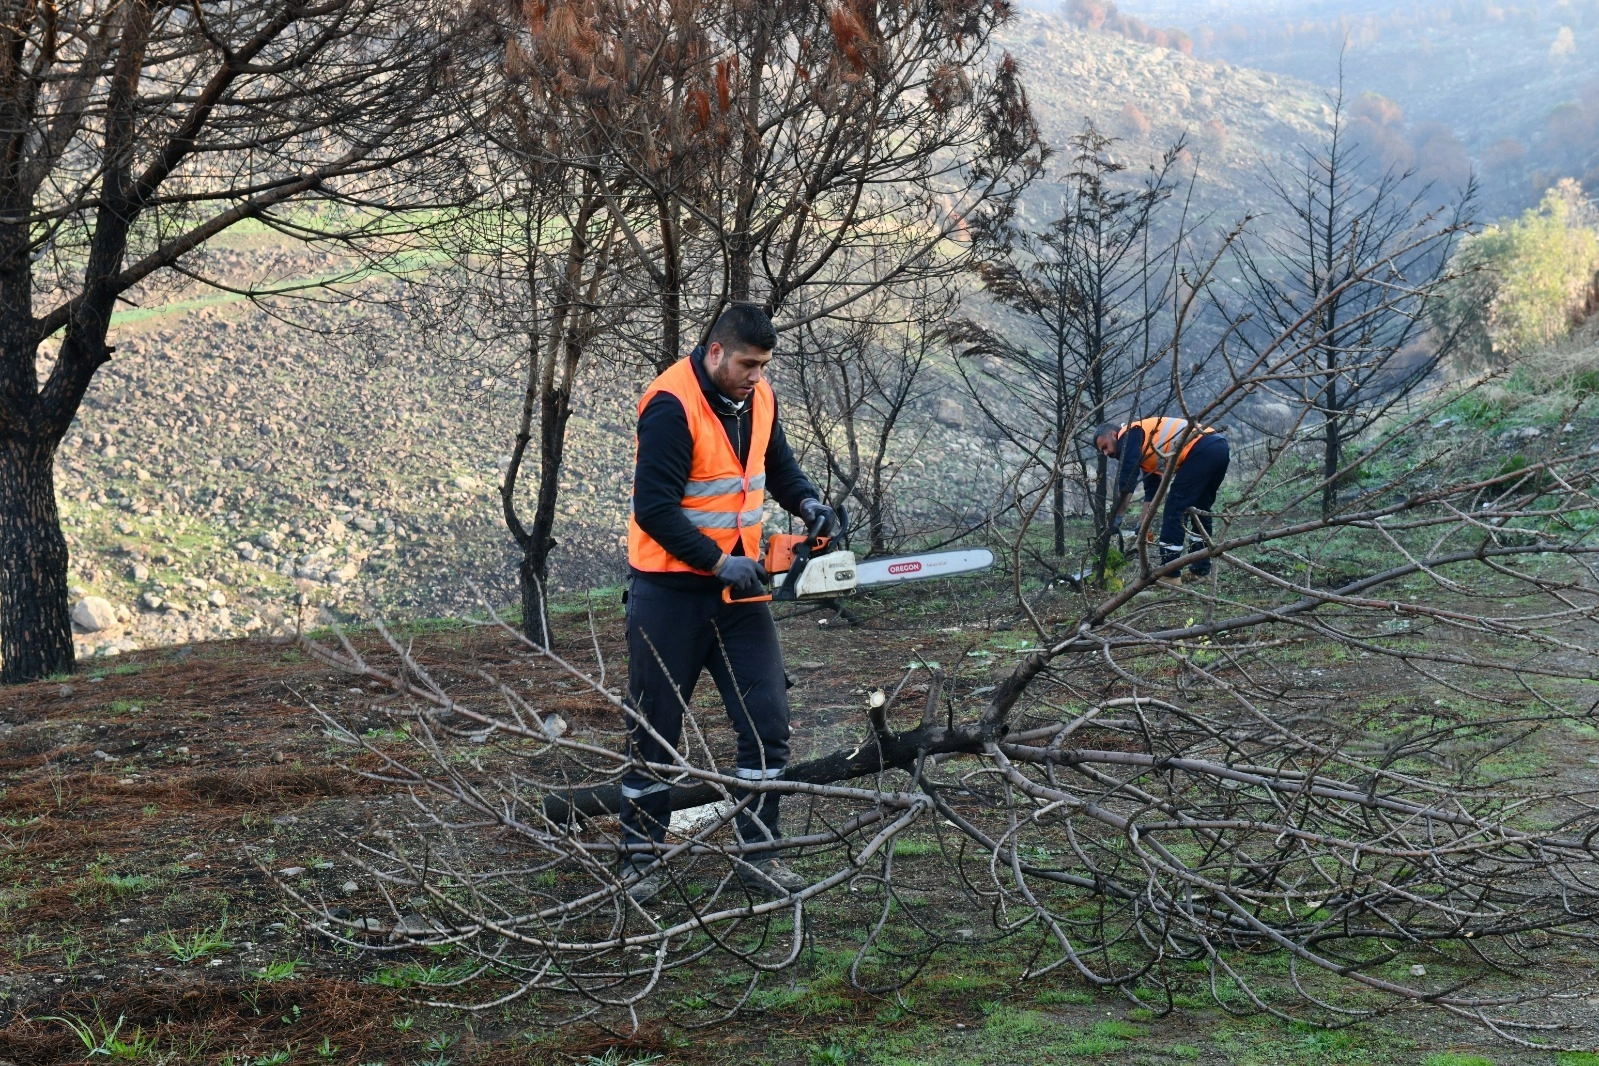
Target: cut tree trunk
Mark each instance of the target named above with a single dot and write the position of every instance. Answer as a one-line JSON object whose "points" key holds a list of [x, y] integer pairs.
{"points": [[35, 623], [886, 751]]}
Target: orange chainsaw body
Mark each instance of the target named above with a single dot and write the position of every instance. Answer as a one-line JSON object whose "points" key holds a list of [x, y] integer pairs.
{"points": [[780, 551]]}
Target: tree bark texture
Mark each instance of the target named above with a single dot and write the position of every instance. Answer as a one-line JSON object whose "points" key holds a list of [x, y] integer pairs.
{"points": [[35, 627]]}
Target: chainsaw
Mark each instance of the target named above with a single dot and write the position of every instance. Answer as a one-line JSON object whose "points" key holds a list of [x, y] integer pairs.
{"points": [[812, 567]]}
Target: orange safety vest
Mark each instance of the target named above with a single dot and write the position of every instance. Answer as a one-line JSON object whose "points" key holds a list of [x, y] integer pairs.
{"points": [[1160, 437], [723, 499]]}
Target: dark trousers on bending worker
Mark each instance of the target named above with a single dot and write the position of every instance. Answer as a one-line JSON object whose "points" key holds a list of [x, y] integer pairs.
{"points": [[1195, 485], [672, 636]]}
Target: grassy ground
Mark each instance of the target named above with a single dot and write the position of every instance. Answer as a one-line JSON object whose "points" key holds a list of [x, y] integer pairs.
{"points": [[144, 805]]}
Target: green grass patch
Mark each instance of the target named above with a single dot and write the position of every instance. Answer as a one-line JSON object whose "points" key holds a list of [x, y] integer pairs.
{"points": [[196, 945]]}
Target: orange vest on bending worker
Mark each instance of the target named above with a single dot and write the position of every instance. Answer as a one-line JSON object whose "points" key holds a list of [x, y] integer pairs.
{"points": [[1161, 435], [723, 498]]}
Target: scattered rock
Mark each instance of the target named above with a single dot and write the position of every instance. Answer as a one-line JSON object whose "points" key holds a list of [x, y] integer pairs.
{"points": [[466, 483], [950, 413], [554, 725], [291, 871], [217, 598], [1418, 970], [350, 888], [139, 572], [150, 601], [93, 614], [414, 925]]}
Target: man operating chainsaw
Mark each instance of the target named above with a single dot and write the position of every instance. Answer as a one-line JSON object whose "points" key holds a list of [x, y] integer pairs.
{"points": [[710, 452], [1195, 457]]}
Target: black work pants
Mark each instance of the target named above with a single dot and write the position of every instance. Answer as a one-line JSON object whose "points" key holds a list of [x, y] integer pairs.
{"points": [[1194, 485], [672, 636]]}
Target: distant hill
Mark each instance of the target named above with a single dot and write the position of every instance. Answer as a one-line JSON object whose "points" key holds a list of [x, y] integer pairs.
{"points": [[1517, 82], [1235, 119]]}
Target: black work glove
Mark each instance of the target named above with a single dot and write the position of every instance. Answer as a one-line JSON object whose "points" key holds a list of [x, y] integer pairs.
{"points": [[743, 575], [1116, 524], [812, 509]]}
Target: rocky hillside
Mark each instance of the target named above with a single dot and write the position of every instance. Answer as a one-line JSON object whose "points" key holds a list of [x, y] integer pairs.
{"points": [[1234, 119], [232, 471]]}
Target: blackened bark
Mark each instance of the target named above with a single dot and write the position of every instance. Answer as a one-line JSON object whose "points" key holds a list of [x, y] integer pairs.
{"points": [[671, 287], [875, 755], [555, 413], [35, 627], [1060, 514]]}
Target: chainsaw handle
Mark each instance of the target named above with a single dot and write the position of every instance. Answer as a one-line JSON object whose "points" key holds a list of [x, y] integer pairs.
{"points": [[727, 597], [814, 533]]}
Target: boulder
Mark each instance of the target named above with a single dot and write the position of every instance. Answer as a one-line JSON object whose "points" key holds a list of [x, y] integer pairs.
{"points": [[1273, 419], [950, 413], [93, 614]]}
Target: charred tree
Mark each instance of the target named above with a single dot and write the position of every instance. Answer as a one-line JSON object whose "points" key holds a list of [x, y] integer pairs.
{"points": [[134, 133]]}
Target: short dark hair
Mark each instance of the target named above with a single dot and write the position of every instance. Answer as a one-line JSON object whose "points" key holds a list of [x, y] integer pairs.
{"points": [[1108, 429], [743, 325]]}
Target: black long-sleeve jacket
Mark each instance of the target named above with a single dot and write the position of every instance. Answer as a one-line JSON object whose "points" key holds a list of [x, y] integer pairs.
{"points": [[1130, 458], [665, 458]]}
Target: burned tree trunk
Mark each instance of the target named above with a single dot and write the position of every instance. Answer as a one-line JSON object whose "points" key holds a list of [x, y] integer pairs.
{"points": [[35, 629]]}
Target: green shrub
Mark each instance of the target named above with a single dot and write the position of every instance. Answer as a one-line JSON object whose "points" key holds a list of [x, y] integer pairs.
{"points": [[1520, 285]]}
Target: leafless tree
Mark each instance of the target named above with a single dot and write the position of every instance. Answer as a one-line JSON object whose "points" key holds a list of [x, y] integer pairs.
{"points": [[863, 382], [1326, 224], [1078, 312], [522, 285], [135, 132]]}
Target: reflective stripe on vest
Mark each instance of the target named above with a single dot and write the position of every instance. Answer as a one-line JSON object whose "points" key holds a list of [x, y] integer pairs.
{"points": [[722, 498], [1161, 434]]}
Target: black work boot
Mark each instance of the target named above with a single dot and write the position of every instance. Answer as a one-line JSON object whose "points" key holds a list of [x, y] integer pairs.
{"points": [[769, 876]]}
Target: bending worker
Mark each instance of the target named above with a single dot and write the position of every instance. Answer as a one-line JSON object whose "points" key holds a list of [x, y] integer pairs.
{"points": [[710, 451], [1196, 471]]}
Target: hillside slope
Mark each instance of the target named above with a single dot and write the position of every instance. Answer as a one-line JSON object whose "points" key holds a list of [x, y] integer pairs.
{"points": [[1236, 120]]}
